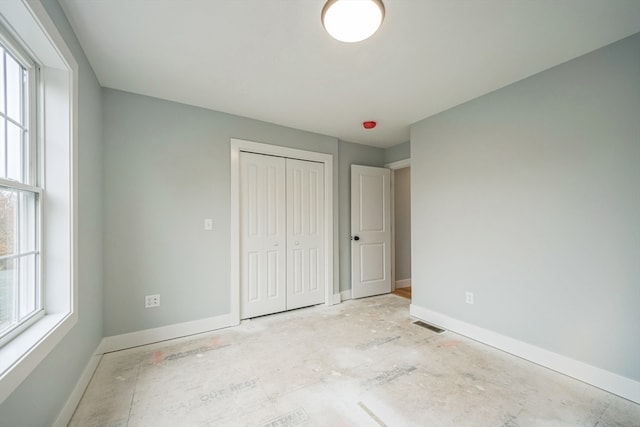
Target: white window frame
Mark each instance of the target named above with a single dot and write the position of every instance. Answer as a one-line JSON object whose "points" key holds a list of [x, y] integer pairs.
{"points": [[30, 177], [28, 22]]}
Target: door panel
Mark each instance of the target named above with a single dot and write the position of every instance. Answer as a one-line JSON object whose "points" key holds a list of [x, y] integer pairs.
{"points": [[305, 233], [373, 257], [370, 231], [263, 235], [372, 192]]}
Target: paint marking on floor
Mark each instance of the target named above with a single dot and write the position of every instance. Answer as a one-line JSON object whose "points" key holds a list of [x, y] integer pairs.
{"points": [[390, 375], [291, 419], [376, 342]]}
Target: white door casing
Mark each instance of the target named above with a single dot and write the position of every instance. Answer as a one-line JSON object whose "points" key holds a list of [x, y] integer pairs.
{"points": [[393, 166], [263, 235], [305, 234], [370, 231]]}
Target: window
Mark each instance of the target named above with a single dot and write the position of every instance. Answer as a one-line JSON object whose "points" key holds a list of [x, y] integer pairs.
{"points": [[20, 291], [38, 184]]}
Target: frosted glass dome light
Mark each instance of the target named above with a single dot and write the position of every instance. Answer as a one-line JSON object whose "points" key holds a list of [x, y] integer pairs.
{"points": [[352, 20]]}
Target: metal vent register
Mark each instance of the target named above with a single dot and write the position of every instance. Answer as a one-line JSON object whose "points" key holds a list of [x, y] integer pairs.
{"points": [[428, 326]]}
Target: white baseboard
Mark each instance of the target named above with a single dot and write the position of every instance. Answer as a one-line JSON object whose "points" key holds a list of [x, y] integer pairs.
{"points": [[74, 398], [606, 380], [403, 283], [149, 336], [134, 339], [345, 295]]}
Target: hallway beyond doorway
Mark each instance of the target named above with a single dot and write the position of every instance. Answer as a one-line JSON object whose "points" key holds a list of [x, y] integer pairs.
{"points": [[403, 292]]}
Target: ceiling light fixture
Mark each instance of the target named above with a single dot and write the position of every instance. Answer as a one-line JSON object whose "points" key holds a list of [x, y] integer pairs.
{"points": [[352, 20]]}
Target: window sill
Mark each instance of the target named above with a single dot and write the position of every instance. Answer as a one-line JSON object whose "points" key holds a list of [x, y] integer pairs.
{"points": [[20, 356]]}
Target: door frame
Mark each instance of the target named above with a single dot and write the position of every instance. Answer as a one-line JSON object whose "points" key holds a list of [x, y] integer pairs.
{"points": [[238, 145], [400, 164]]}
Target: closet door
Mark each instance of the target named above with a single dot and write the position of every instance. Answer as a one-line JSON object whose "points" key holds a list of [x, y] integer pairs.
{"points": [[305, 233], [263, 235]]}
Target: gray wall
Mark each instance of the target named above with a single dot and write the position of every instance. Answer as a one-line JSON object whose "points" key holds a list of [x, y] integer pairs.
{"points": [[39, 399], [166, 169], [402, 222], [530, 198], [397, 152], [356, 154]]}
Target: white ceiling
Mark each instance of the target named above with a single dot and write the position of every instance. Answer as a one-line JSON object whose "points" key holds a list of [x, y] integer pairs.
{"points": [[272, 60]]}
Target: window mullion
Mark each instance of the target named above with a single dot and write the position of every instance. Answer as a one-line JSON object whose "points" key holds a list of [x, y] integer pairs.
{"points": [[18, 242], [9, 119], [31, 126], [6, 183], [23, 171], [15, 256], [6, 115]]}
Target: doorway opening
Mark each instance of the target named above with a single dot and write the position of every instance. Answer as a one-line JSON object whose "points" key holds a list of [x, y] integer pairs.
{"points": [[401, 227], [381, 230]]}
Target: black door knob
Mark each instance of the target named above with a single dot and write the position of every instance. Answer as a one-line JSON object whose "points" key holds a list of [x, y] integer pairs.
{"points": [[356, 238]]}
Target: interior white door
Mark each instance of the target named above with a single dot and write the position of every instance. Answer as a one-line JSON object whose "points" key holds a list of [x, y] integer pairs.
{"points": [[370, 231], [262, 235], [305, 233]]}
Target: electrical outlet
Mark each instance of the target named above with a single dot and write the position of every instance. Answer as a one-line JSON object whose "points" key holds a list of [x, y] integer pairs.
{"points": [[469, 298], [152, 301], [208, 224]]}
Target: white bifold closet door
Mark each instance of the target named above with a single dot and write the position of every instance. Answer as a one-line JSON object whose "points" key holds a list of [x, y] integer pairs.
{"points": [[263, 235], [305, 233], [282, 234]]}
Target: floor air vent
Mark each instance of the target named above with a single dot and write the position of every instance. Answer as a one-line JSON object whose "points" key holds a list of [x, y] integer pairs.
{"points": [[429, 327]]}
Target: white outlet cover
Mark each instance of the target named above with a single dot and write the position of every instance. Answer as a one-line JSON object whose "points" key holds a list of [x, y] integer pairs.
{"points": [[208, 224], [469, 298], [152, 301]]}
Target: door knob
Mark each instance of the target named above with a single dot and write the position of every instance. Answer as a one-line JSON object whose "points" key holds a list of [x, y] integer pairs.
{"points": [[356, 238]]}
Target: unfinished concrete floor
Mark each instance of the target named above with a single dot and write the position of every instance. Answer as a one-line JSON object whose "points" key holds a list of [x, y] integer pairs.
{"points": [[360, 363]]}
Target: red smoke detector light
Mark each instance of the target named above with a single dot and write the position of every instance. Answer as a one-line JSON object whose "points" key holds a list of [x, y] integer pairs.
{"points": [[369, 125]]}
